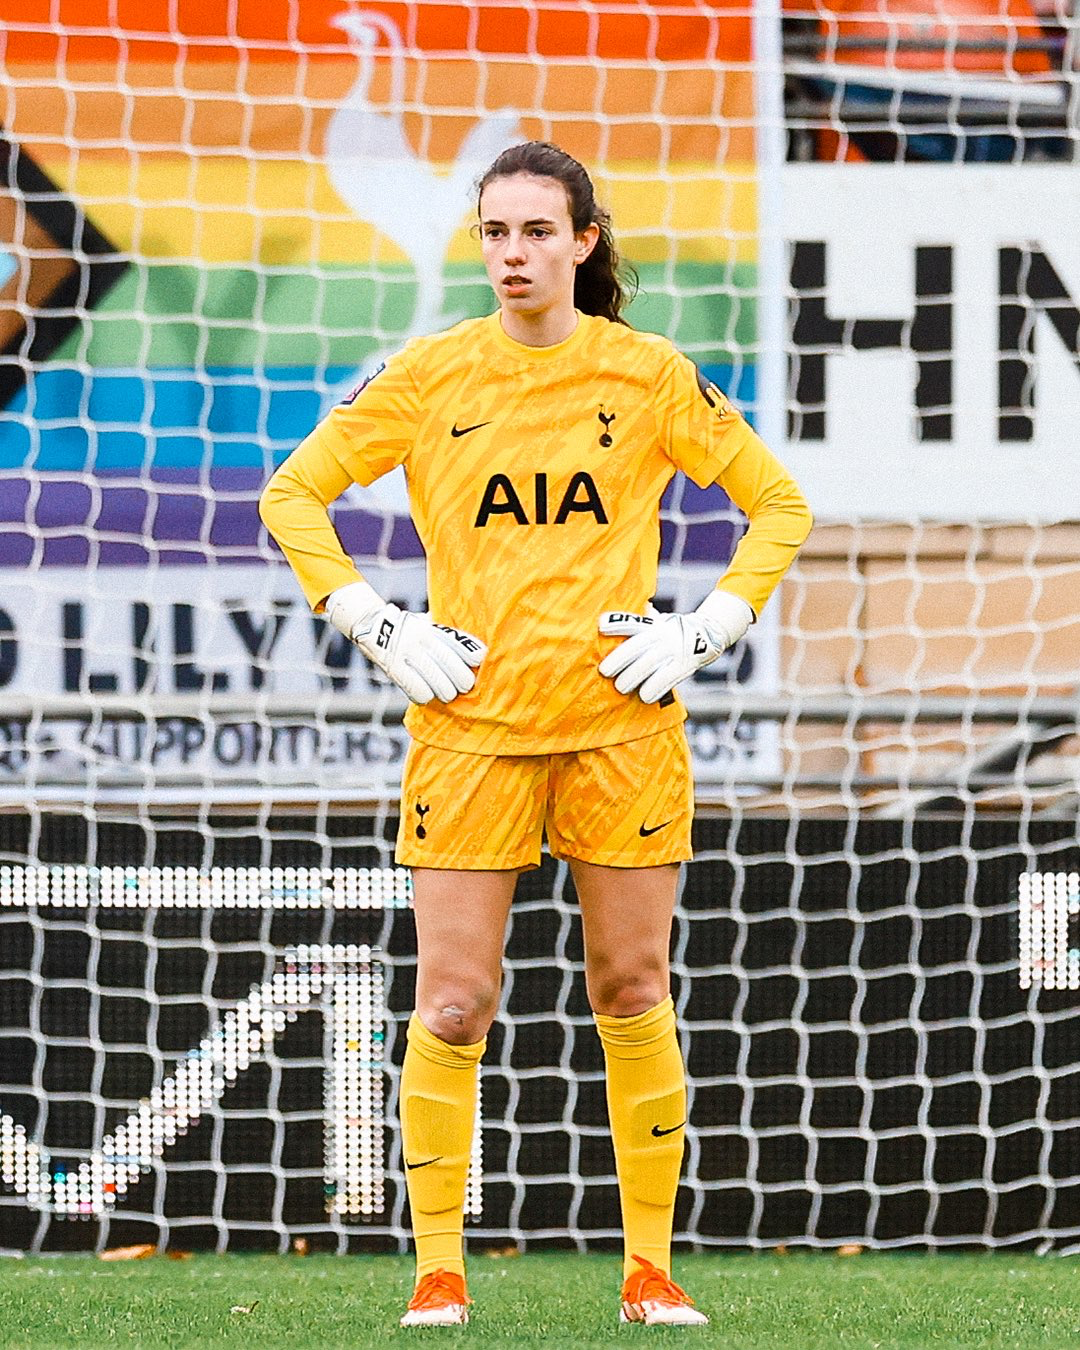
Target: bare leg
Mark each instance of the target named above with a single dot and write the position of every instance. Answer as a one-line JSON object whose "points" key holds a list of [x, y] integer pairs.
{"points": [[626, 914], [460, 935]]}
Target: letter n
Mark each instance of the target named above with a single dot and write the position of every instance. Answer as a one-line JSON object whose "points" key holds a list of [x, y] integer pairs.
{"points": [[1028, 285]]}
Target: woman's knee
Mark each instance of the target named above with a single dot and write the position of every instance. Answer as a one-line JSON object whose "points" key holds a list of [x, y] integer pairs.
{"points": [[626, 993], [458, 1012]]}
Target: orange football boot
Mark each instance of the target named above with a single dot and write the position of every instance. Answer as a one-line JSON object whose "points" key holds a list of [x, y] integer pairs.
{"points": [[650, 1296], [439, 1300]]}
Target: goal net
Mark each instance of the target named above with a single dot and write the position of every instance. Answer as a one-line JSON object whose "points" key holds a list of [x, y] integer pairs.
{"points": [[860, 226]]}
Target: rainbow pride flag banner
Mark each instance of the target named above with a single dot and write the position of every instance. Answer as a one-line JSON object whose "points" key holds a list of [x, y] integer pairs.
{"points": [[215, 214]]}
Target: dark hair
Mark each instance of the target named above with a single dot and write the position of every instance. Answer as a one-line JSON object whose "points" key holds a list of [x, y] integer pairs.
{"points": [[603, 284]]}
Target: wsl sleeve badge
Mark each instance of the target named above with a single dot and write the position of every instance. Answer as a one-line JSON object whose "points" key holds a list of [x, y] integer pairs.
{"points": [[712, 396], [351, 397]]}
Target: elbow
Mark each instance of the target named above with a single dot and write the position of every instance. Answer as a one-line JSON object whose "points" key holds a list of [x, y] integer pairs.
{"points": [[797, 509], [790, 512], [270, 502], [807, 519], [275, 508]]}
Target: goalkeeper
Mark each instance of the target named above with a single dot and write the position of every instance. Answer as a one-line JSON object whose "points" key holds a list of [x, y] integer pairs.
{"points": [[537, 443]]}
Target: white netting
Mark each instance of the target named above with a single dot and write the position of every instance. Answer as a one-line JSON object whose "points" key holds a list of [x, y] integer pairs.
{"points": [[204, 236], [878, 1019]]}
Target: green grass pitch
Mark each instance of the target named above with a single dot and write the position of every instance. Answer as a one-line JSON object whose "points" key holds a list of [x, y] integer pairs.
{"points": [[762, 1302]]}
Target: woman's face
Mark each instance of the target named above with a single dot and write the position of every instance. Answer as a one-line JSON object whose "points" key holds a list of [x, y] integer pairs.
{"points": [[529, 245]]}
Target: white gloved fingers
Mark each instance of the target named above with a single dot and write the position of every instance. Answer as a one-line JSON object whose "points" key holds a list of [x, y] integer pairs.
{"points": [[662, 649], [425, 661], [423, 657], [454, 651], [449, 664], [662, 681], [469, 648], [627, 652], [647, 648], [412, 682], [423, 668], [646, 664]]}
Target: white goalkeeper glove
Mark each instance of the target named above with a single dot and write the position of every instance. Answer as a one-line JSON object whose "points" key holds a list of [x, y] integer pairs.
{"points": [[662, 649], [425, 660]]}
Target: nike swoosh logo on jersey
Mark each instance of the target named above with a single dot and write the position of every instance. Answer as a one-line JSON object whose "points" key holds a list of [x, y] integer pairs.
{"points": [[659, 1133], [645, 831], [426, 1163], [455, 430]]}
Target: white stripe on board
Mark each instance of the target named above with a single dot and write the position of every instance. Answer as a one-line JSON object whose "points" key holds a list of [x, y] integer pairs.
{"points": [[76, 886]]}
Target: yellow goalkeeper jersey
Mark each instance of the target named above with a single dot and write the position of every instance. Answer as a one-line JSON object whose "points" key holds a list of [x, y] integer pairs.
{"points": [[535, 476]]}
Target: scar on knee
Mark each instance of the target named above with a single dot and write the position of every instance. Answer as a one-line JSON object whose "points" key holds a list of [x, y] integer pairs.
{"points": [[455, 1014]]}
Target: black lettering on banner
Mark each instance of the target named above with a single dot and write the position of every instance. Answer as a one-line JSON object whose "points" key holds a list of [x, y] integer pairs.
{"points": [[9, 649], [186, 674], [490, 505], [127, 742], [230, 746], [334, 654], [932, 341], [141, 669], [130, 749], [353, 746], [280, 735], [299, 740], [14, 757], [541, 499], [589, 503], [259, 639], [71, 619], [108, 741], [94, 737], [164, 741], [1028, 285], [47, 742], [369, 747], [192, 739], [816, 335]]}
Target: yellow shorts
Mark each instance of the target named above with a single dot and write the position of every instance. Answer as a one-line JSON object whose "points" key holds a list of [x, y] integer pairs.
{"points": [[628, 805]]}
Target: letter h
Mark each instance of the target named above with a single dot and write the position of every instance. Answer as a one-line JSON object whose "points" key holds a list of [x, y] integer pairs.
{"points": [[815, 334]]}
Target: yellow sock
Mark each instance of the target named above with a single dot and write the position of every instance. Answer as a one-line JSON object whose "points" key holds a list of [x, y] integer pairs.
{"points": [[438, 1115], [646, 1093]]}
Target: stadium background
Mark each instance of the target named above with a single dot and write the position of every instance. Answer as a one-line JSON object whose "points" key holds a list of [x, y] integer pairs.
{"points": [[217, 216]]}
